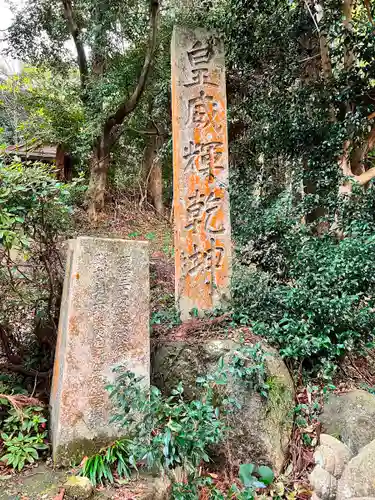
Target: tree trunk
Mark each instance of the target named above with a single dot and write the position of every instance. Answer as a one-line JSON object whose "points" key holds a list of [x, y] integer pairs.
{"points": [[155, 181], [99, 166], [347, 10], [60, 157], [153, 172]]}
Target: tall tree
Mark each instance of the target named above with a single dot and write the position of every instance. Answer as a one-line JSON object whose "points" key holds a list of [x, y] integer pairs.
{"points": [[113, 55]]}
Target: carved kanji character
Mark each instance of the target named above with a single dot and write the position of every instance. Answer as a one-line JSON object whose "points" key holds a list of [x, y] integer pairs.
{"points": [[208, 157], [200, 54], [199, 205], [199, 260], [199, 57], [202, 111]]}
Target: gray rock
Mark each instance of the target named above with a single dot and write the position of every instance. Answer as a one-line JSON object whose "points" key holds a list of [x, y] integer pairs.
{"points": [[332, 455], [323, 483], [358, 479], [350, 417], [260, 429], [159, 490], [77, 487]]}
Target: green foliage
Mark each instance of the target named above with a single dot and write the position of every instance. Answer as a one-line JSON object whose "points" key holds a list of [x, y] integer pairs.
{"points": [[166, 432], [252, 478], [35, 211], [321, 305], [368, 388], [52, 111], [29, 420], [22, 449], [33, 204], [23, 435], [247, 365], [255, 477], [98, 468], [180, 431], [168, 317]]}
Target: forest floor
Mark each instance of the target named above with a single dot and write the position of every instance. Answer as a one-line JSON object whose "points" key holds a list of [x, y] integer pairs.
{"points": [[125, 220]]}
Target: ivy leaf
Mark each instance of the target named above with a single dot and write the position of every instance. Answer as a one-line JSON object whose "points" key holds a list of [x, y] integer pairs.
{"points": [[266, 474], [245, 474]]}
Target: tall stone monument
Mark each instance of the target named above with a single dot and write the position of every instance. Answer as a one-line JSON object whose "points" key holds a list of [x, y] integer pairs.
{"points": [[104, 323], [200, 168]]}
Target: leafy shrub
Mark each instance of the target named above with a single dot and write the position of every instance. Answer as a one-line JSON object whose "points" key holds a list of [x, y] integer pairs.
{"points": [[98, 468], [30, 419], [23, 435], [321, 305], [169, 432], [180, 431], [34, 214], [164, 432], [21, 449]]}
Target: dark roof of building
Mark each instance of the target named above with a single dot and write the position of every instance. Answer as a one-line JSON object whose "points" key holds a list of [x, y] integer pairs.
{"points": [[33, 152]]}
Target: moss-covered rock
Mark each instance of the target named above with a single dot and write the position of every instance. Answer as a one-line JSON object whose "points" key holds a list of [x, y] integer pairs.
{"points": [[67, 455], [77, 487], [261, 428]]}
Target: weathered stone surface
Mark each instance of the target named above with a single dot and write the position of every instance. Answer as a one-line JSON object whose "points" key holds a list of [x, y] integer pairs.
{"points": [[323, 483], [37, 483], [261, 428], [159, 490], [104, 323], [77, 487], [350, 417], [358, 479], [200, 165], [332, 455]]}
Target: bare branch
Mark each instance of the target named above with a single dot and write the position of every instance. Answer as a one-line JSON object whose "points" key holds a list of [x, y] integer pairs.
{"points": [[312, 16], [129, 105], [22, 370], [76, 35]]}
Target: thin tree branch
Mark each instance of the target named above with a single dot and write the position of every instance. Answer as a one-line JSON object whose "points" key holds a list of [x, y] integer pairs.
{"points": [[76, 35], [312, 16], [21, 369], [129, 105]]}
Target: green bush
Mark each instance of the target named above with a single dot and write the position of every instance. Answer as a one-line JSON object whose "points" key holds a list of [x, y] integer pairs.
{"points": [[24, 434], [169, 432], [180, 431], [22, 449], [319, 304], [35, 214]]}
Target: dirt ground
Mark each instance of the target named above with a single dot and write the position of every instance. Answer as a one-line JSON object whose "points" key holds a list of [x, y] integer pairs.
{"points": [[45, 483]]}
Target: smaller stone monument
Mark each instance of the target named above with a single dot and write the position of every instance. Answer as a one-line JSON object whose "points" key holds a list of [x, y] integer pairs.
{"points": [[104, 323]]}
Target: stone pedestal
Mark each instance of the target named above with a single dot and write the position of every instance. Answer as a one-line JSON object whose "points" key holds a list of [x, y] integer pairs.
{"points": [[104, 323], [200, 170]]}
